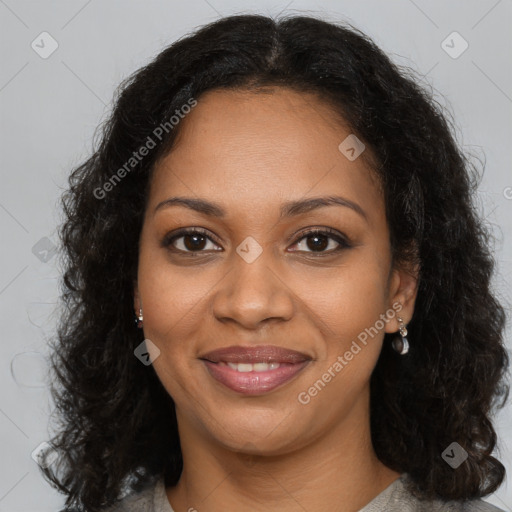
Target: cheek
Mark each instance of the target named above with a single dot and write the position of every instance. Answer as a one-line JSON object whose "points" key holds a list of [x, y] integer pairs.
{"points": [[173, 297], [346, 300], [172, 315], [348, 309]]}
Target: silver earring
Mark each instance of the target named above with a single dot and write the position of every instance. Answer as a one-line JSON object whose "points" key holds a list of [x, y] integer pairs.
{"points": [[400, 343], [139, 320]]}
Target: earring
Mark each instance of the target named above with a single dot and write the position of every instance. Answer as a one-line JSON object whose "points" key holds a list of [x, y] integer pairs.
{"points": [[138, 320], [400, 343]]}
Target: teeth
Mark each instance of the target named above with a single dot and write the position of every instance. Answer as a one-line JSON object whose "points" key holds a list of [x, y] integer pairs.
{"points": [[241, 367], [257, 367]]}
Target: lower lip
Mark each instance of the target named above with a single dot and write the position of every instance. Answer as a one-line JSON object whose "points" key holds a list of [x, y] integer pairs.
{"points": [[253, 383]]}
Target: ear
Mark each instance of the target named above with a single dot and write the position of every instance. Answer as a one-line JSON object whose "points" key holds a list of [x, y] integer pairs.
{"points": [[403, 289], [136, 297]]}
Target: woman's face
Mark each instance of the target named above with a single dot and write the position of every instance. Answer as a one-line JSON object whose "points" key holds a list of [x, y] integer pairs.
{"points": [[252, 278]]}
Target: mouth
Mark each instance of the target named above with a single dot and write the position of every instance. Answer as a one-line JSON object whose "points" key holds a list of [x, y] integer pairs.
{"points": [[251, 367], [254, 370], [254, 355]]}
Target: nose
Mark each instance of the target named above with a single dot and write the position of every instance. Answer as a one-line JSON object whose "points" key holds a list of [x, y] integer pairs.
{"points": [[252, 294]]}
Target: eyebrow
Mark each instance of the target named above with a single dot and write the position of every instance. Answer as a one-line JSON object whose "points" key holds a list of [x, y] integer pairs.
{"points": [[288, 209]]}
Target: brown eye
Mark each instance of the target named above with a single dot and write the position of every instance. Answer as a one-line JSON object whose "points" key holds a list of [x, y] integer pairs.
{"points": [[321, 242], [317, 242], [194, 242], [189, 241]]}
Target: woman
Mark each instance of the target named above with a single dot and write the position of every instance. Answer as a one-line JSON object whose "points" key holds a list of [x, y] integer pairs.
{"points": [[290, 219]]}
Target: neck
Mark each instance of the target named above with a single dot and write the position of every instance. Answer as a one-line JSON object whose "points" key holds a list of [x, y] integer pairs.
{"points": [[338, 471]]}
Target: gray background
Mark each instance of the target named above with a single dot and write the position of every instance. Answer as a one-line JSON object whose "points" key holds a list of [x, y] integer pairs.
{"points": [[51, 106]]}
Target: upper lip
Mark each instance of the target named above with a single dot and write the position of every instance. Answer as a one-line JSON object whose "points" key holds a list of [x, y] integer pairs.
{"points": [[255, 354]]}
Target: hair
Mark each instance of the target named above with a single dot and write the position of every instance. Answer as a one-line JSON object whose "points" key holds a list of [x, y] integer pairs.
{"points": [[117, 424]]}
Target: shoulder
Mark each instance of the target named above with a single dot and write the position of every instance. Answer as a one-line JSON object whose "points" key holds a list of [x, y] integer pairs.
{"points": [[461, 506], [483, 506], [143, 501], [400, 498]]}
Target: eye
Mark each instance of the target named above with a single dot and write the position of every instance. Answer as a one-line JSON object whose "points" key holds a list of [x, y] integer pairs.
{"points": [[197, 240], [189, 241], [318, 240]]}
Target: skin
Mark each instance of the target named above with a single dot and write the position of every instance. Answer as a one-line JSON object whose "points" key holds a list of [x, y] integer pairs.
{"points": [[250, 152]]}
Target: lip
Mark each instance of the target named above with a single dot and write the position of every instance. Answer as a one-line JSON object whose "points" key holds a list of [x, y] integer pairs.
{"points": [[256, 354], [254, 382]]}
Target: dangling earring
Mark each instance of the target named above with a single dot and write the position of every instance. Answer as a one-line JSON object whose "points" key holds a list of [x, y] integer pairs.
{"points": [[139, 320], [400, 343]]}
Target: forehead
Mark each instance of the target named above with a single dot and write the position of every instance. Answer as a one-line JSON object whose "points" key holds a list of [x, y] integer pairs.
{"points": [[254, 148]]}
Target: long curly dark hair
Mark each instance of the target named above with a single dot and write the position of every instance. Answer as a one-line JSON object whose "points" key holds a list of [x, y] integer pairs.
{"points": [[117, 424]]}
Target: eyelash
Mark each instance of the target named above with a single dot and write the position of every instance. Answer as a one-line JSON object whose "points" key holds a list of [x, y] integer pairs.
{"points": [[330, 233]]}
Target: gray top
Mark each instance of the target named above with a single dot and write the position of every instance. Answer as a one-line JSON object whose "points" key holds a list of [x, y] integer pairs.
{"points": [[395, 498]]}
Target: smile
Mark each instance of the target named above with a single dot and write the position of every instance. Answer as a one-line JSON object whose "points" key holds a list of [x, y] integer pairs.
{"points": [[248, 367], [254, 370], [249, 380]]}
